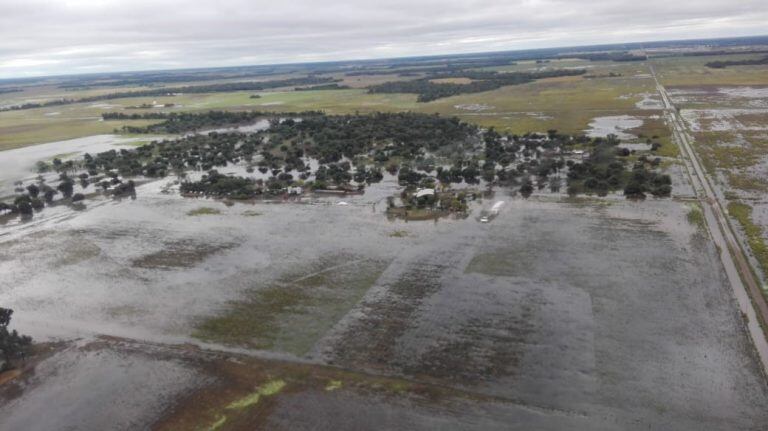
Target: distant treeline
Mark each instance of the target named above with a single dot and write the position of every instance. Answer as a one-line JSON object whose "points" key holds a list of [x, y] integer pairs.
{"points": [[607, 56], [156, 80], [433, 66], [481, 81], [183, 122], [724, 64], [440, 67], [167, 91], [10, 90]]}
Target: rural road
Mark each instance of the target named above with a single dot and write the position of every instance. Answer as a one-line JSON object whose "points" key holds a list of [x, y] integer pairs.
{"points": [[745, 284]]}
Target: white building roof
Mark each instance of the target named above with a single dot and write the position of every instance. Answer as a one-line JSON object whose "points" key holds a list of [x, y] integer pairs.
{"points": [[425, 192]]}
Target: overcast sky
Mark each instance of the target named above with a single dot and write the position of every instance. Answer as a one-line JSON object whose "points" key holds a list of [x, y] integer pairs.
{"points": [[43, 37]]}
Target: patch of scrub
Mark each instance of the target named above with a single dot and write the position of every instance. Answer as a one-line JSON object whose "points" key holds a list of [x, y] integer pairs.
{"points": [[293, 312], [218, 424], [333, 385], [251, 213], [268, 389], [203, 211], [180, 254], [753, 232], [508, 262], [613, 125], [695, 217]]}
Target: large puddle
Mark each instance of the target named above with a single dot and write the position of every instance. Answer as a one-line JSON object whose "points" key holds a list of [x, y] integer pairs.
{"points": [[614, 125]]}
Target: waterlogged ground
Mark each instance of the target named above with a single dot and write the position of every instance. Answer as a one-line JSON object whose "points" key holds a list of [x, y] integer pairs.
{"points": [[322, 314], [729, 124]]}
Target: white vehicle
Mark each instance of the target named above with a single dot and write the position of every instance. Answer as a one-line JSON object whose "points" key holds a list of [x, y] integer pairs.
{"points": [[484, 219], [497, 207]]}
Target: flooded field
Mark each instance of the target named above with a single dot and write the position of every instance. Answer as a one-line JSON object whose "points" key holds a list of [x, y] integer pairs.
{"points": [[615, 125], [587, 314], [19, 164], [729, 124]]}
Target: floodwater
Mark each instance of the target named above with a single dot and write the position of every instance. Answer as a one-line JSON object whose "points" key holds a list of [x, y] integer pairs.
{"points": [[19, 164], [614, 124], [581, 314], [117, 388]]}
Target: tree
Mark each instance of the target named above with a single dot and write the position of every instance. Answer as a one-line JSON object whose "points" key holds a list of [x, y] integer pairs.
{"points": [[25, 208], [527, 188], [555, 184], [66, 188], [634, 190], [42, 167], [49, 194], [12, 345], [33, 190]]}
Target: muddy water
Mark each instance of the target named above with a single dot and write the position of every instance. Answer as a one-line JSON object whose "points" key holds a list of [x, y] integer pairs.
{"points": [[578, 311], [95, 389], [19, 164]]}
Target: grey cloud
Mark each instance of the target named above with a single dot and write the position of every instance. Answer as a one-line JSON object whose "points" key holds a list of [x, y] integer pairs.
{"points": [[69, 36]]}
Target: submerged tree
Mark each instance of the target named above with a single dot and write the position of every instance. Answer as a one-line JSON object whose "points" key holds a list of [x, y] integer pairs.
{"points": [[12, 345]]}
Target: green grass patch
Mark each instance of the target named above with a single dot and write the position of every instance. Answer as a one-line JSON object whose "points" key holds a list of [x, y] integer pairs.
{"points": [[747, 182], [695, 217], [754, 233], [203, 211], [333, 385], [293, 312], [692, 71], [268, 389]]}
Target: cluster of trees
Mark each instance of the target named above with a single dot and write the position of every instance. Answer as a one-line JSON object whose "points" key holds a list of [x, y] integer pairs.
{"points": [[750, 62], [349, 152], [170, 91], [383, 135], [217, 185], [10, 90], [605, 171], [428, 90], [36, 196], [13, 346]]}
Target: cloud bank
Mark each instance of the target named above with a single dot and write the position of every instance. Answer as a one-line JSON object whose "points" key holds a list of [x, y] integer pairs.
{"points": [[43, 37]]}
